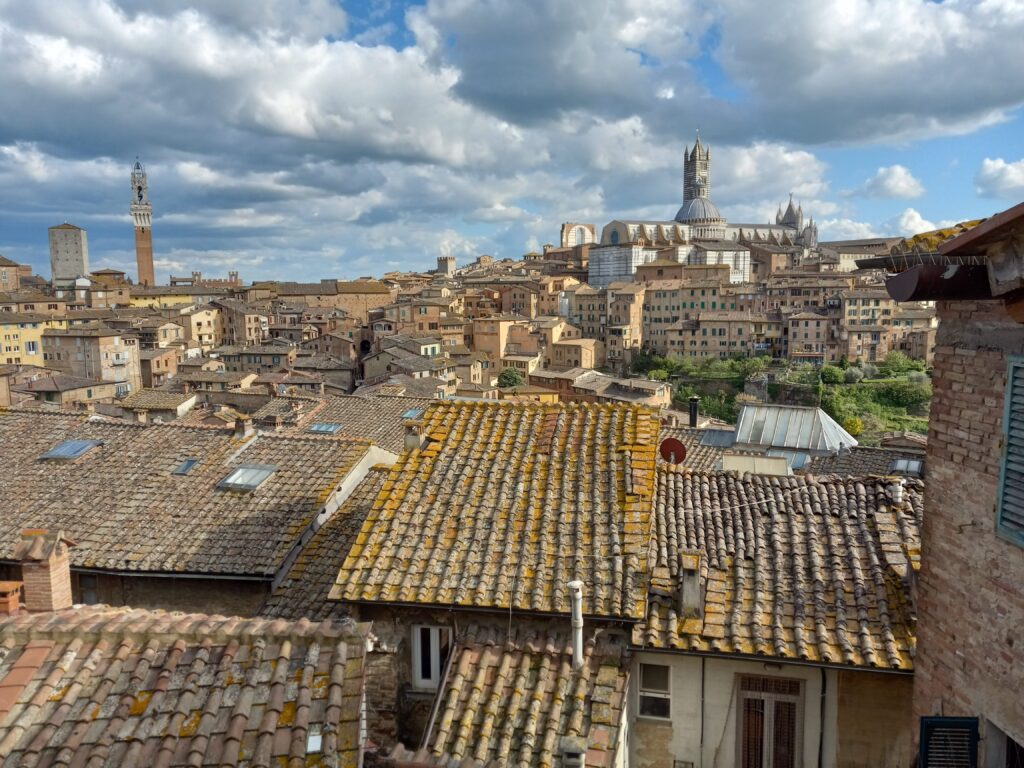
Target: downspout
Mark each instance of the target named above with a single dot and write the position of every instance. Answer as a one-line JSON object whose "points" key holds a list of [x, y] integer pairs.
{"points": [[821, 718], [703, 661]]}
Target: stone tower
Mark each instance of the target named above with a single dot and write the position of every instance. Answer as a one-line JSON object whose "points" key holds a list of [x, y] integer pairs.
{"points": [[696, 172], [142, 217]]}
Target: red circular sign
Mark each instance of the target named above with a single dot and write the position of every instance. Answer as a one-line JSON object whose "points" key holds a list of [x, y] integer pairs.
{"points": [[672, 451]]}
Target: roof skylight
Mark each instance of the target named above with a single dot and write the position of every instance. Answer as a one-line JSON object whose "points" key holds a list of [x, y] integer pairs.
{"points": [[325, 428], [70, 449], [247, 477]]}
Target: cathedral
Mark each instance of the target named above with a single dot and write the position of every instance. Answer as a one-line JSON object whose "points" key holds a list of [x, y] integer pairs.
{"points": [[698, 234], [699, 218]]}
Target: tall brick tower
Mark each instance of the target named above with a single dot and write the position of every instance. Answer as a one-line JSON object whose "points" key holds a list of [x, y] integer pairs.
{"points": [[142, 217]]}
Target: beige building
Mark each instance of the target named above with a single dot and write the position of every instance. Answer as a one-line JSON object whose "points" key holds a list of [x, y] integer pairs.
{"points": [[202, 326], [97, 353], [69, 254]]}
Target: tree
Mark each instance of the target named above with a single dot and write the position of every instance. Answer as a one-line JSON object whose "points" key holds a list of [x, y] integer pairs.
{"points": [[510, 377], [831, 374], [658, 374]]}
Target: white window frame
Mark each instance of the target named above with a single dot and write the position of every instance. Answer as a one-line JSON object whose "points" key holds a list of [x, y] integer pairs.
{"points": [[642, 693], [438, 636], [770, 699]]}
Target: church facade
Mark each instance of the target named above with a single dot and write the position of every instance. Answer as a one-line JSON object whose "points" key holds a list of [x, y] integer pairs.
{"points": [[698, 234]]}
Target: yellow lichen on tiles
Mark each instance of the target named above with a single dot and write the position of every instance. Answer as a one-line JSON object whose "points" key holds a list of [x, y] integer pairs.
{"points": [[140, 702], [190, 724]]}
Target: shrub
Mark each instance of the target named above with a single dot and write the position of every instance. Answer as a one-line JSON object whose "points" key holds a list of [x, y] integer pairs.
{"points": [[903, 394], [870, 371], [854, 425], [831, 374], [852, 375], [918, 377]]}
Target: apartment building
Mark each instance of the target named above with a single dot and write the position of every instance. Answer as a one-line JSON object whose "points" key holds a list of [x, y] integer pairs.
{"points": [[21, 337], [95, 352], [242, 324], [257, 358]]}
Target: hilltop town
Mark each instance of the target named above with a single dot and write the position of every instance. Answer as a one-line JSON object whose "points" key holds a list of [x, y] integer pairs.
{"points": [[481, 515]]}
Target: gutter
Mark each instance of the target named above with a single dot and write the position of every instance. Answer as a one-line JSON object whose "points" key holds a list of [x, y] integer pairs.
{"points": [[772, 660]]}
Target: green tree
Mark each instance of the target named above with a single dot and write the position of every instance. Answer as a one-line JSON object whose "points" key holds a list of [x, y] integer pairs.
{"points": [[831, 374], [510, 377], [852, 375], [658, 374]]}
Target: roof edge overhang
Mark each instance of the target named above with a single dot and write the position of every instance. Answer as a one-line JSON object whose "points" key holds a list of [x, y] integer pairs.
{"points": [[929, 282], [764, 659], [504, 611]]}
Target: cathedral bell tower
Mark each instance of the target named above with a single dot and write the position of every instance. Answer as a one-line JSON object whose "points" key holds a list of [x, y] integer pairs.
{"points": [[142, 217]]}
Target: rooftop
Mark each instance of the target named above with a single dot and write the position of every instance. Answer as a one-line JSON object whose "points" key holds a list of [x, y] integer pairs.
{"points": [[130, 507], [809, 569], [154, 399], [571, 499], [124, 686]]}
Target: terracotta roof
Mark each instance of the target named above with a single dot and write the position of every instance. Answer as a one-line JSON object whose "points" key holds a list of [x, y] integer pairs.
{"points": [[128, 512], [699, 457], [862, 460], [121, 686], [154, 399], [303, 592], [377, 419], [804, 568], [505, 504], [59, 382], [511, 701]]}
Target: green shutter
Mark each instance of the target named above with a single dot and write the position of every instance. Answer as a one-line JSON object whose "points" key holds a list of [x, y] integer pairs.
{"points": [[1010, 514]]}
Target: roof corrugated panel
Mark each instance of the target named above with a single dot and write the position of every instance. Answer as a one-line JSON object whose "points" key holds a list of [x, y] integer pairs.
{"points": [[787, 426]]}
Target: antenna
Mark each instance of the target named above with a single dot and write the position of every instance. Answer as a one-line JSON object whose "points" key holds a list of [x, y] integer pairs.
{"points": [[672, 451]]}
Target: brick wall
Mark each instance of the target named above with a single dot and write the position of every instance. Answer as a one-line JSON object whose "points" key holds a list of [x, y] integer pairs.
{"points": [[47, 585], [874, 725], [970, 652]]}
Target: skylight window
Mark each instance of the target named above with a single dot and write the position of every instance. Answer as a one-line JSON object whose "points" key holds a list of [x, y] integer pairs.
{"points": [[325, 428], [247, 477], [907, 466], [185, 467], [413, 413], [70, 450]]}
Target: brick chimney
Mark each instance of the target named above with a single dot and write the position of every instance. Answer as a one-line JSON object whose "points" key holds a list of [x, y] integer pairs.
{"points": [[243, 427], [10, 598], [45, 569]]}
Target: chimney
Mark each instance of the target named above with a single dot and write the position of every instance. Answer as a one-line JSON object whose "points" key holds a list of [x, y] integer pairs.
{"points": [[45, 569], [694, 403], [896, 492], [243, 427], [576, 595], [10, 598], [691, 601]]}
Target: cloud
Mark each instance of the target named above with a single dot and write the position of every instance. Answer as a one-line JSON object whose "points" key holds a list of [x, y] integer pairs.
{"points": [[910, 222], [998, 178], [892, 181], [845, 229]]}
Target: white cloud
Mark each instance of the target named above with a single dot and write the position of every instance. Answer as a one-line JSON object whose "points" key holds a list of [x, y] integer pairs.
{"points": [[910, 222], [998, 178], [892, 181], [845, 229]]}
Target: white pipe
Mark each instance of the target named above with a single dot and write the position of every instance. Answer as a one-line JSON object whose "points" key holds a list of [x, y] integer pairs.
{"points": [[576, 594]]}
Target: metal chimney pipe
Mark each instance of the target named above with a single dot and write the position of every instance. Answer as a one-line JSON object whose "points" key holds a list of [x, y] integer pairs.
{"points": [[576, 594], [694, 403]]}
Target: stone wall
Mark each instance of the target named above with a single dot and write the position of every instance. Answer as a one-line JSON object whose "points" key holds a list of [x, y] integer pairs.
{"points": [[970, 652]]}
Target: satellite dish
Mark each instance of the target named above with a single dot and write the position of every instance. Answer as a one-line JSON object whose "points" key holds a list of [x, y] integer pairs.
{"points": [[672, 451]]}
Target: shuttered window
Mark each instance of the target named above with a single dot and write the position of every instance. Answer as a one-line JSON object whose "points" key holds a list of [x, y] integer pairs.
{"points": [[949, 742], [1010, 519], [769, 724]]}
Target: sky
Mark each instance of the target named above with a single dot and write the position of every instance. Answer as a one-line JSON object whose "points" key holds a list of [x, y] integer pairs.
{"points": [[309, 139]]}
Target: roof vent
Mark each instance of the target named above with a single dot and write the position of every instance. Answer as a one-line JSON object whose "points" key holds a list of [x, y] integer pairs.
{"points": [[896, 491], [574, 751]]}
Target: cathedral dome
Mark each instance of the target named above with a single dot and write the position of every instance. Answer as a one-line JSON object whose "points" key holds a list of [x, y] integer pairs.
{"points": [[698, 209]]}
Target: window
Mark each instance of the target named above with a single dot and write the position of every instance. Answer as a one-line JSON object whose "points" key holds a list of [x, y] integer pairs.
{"points": [[951, 742], [88, 587], [325, 428], [430, 647], [907, 466], [1010, 510], [769, 722], [185, 467], [655, 696], [247, 477], [413, 413], [70, 449]]}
